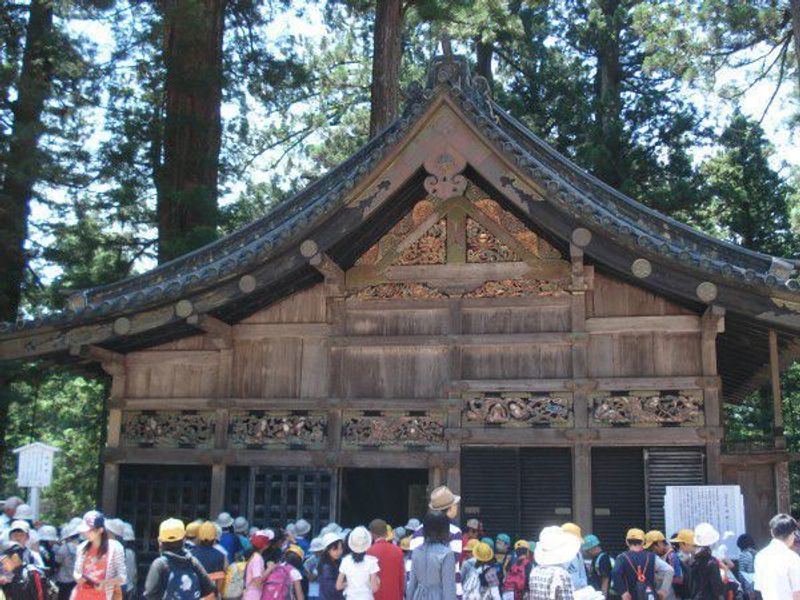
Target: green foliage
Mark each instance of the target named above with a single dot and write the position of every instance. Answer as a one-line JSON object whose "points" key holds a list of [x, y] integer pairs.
{"points": [[65, 411], [748, 200]]}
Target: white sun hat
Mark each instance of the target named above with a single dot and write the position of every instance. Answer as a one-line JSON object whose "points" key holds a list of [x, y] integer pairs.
{"points": [[555, 547], [360, 540], [705, 535]]}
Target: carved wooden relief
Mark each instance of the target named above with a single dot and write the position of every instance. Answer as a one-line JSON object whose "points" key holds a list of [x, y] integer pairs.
{"points": [[430, 249], [648, 408], [483, 247], [167, 429], [392, 291], [511, 288], [260, 429], [403, 228], [518, 409], [390, 431]]}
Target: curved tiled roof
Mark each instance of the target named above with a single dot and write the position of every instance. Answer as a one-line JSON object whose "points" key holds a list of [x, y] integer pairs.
{"points": [[568, 187]]}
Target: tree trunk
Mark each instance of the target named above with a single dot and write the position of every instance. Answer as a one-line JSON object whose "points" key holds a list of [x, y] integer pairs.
{"points": [[22, 166], [187, 199], [387, 45], [794, 7], [609, 157], [483, 55], [21, 174]]}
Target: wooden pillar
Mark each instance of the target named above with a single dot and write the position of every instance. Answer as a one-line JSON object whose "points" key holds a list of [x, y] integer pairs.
{"points": [[712, 323], [581, 450], [110, 488], [780, 469], [217, 500], [114, 365]]}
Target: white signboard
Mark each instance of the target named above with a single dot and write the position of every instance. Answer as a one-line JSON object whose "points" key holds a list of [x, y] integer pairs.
{"points": [[35, 465], [721, 505]]}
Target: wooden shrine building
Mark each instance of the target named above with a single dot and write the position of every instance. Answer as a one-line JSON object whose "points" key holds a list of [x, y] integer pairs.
{"points": [[455, 303]]}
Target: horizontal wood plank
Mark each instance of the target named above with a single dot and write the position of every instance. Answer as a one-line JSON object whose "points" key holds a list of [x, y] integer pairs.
{"points": [[667, 323]]}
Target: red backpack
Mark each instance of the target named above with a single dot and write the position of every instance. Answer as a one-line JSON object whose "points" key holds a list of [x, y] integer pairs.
{"points": [[278, 583], [516, 579]]}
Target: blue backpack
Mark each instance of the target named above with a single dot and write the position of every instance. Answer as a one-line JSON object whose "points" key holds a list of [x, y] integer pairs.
{"points": [[183, 583]]}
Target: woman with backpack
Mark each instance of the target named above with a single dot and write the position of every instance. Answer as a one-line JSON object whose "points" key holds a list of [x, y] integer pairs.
{"points": [[515, 583], [358, 573], [482, 582], [100, 561], [433, 563], [328, 568]]}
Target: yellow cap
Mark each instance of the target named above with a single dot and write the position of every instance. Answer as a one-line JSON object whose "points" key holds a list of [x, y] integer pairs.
{"points": [[483, 552], [171, 530], [684, 536], [522, 544], [296, 550], [651, 537], [207, 532], [405, 543], [389, 533], [471, 543], [635, 534], [573, 529], [192, 529]]}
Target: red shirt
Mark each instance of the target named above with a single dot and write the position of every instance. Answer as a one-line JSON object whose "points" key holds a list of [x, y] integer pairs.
{"points": [[392, 573]]}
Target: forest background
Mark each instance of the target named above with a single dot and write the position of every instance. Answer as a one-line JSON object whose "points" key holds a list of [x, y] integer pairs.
{"points": [[133, 131]]}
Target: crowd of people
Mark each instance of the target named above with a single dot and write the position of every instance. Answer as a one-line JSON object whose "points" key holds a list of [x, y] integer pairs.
{"points": [[92, 558]]}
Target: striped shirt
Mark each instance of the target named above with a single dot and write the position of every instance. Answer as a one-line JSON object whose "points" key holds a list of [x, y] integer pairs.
{"points": [[456, 542]]}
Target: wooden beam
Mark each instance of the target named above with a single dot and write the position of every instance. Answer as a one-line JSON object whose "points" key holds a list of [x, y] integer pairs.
{"points": [[477, 339], [668, 324], [775, 382], [221, 332]]}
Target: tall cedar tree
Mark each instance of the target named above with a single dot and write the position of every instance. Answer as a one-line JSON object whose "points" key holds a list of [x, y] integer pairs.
{"points": [[187, 184], [386, 55], [21, 160]]}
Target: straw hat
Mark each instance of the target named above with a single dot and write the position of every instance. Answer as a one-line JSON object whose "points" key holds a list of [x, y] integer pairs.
{"points": [[705, 535], [483, 552], [360, 540], [556, 547], [442, 498]]}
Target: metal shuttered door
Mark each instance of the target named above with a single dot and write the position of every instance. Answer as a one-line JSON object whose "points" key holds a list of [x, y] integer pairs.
{"points": [[490, 488], [545, 488], [517, 490], [670, 466], [618, 496]]}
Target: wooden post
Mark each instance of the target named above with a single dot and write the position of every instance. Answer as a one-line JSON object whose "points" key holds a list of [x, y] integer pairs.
{"points": [[582, 485], [217, 500], [712, 323], [780, 469], [110, 488]]}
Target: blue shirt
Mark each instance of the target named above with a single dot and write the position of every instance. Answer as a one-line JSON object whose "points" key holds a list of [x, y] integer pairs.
{"points": [[232, 545], [212, 559], [624, 573]]}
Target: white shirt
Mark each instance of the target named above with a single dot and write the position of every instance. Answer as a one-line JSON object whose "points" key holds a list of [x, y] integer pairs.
{"points": [[777, 572], [358, 575]]}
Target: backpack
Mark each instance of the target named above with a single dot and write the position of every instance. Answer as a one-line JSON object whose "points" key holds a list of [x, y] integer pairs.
{"points": [[472, 586], [516, 579], [643, 590], [234, 581], [183, 582], [278, 583]]}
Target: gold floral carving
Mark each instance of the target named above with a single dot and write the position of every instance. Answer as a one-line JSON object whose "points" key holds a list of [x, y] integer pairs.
{"points": [[430, 249], [402, 229], [483, 247], [259, 429], [649, 408], [393, 430], [519, 409], [168, 429], [511, 288], [389, 291]]}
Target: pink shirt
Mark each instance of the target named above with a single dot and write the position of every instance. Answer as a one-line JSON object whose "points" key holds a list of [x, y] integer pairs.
{"points": [[255, 568]]}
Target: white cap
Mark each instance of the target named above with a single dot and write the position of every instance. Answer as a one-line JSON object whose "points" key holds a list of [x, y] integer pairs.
{"points": [[413, 525], [12, 502], [48, 533], [24, 512], [330, 538], [291, 528], [240, 525], [360, 539], [224, 520], [705, 535], [19, 526], [116, 526], [127, 533], [302, 527], [316, 545]]}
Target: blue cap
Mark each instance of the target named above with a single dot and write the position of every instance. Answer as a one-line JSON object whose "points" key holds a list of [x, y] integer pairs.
{"points": [[504, 537], [589, 542]]}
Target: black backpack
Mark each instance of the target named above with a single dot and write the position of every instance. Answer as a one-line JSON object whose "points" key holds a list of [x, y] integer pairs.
{"points": [[643, 590]]}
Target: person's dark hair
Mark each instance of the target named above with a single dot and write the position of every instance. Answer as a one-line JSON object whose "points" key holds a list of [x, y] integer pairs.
{"points": [[208, 543], [103, 548], [437, 527], [294, 560], [782, 525], [326, 556], [172, 546], [745, 541], [358, 556]]}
